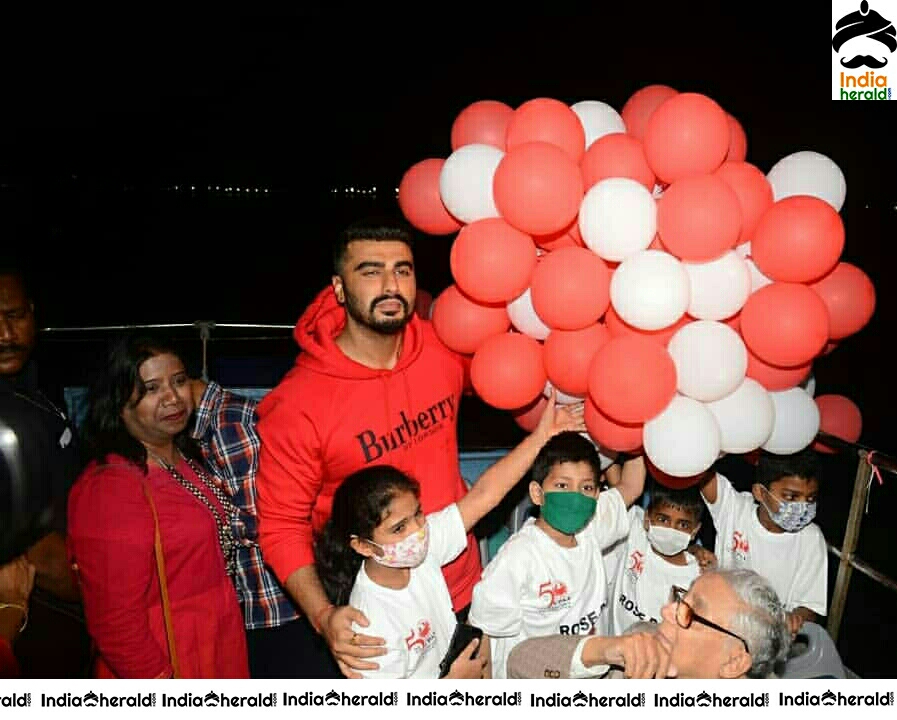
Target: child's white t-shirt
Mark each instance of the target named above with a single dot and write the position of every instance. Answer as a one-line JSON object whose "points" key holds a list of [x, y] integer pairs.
{"points": [[534, 587], [417, 621], [794, 563], [643, 581]]}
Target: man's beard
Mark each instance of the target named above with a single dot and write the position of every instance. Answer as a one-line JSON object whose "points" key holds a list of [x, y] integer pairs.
{"points": [[387, 326]]}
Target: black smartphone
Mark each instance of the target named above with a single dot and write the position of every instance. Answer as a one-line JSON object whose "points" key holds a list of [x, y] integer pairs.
{"points": [[461, 638]]}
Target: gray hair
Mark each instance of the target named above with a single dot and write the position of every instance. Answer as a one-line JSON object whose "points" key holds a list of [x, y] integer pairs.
{"points": [[761, 621]]}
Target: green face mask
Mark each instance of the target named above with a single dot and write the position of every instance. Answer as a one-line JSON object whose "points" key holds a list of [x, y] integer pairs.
{"points": [[568, 512]]}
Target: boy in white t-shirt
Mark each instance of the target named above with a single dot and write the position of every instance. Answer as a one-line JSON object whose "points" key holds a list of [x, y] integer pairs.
{"points": [[655, 556], [770, 531], [549, 578]]}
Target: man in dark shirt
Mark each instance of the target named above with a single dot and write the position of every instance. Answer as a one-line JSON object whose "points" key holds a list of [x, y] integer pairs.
{"points": [[38, 464]]}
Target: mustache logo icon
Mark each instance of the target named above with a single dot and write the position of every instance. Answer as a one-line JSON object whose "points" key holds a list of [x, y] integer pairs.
{"points": [[861, 60]]}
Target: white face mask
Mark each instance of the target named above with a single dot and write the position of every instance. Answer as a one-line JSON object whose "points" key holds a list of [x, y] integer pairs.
{"points": [[668, 541]]}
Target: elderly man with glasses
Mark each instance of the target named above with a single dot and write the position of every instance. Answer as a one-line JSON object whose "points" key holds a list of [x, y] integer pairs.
{"points": [[729, 624]]}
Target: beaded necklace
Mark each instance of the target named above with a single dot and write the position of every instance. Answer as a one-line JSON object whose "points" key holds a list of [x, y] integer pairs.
{"points": [[222, 520]]}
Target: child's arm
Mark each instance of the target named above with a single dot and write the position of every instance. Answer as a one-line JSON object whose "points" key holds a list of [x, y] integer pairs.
{"points": [[631, 483], [706, 559], [708, 487], [495, 483]]}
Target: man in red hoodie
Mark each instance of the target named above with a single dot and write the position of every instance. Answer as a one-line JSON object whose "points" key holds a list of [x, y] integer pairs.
{"points": [[373, 385]]}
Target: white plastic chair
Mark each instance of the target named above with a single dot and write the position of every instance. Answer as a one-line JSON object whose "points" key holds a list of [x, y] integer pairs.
{"points": [[821, 658]]}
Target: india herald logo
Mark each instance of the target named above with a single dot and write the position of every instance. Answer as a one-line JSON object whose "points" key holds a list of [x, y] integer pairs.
{"points": [[863, 25]]}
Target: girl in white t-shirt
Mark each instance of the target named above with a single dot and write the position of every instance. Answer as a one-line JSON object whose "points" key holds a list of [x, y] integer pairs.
{"points": [[379, 554]]}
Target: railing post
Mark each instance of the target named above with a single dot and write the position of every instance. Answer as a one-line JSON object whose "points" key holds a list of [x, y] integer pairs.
{"points": [[205, 332], [851, 536]]}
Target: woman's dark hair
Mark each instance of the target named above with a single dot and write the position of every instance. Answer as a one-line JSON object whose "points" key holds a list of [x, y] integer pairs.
{"points": [[109, 393], [358, 507]]}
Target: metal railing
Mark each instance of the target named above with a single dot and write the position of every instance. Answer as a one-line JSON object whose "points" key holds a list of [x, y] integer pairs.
{"points": [[868, 460]]}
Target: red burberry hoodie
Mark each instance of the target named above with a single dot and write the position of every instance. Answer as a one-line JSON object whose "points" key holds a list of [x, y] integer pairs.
{"points": [[331, 416]]}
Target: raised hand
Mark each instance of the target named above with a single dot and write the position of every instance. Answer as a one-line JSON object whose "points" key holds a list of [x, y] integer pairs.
{"points": [[560, 418]]}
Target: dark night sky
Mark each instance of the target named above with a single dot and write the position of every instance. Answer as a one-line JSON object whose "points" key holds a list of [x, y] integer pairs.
{"points": [[333, 94]]}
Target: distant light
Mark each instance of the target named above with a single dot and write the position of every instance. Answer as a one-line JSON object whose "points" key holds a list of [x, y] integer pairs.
{"points": [[238, 189], [175, 187], [397, 191], [192, 187], [374, 189], [352, 189], [266, 189], [256, 189], [217, 188]]}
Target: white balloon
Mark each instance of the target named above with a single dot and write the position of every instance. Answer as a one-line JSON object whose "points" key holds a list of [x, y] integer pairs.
{"points": [[524, 318], [745, 417], [598, 119], [650, 290], [810, 384], [744, 250], [562, 398], [617, 218], [796, 422], [710, 358], [719, 288], [684, 440], [758, 279], [808, 173], [465, 183]]}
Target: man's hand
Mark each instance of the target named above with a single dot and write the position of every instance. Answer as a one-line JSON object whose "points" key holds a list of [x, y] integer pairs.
{"points": [[16, 581], [467, 668], [795, 622], [706, 559], [349, 647], [641, 655]]}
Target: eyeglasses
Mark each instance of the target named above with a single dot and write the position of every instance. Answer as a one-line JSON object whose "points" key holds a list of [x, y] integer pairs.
{"points": [[686, 615]]}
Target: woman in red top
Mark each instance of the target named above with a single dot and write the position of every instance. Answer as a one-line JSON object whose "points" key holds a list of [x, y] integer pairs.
{"points": [[144, 464]]}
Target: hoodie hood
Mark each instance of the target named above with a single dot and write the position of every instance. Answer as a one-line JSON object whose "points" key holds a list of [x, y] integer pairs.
{"points": [[316, 333]]}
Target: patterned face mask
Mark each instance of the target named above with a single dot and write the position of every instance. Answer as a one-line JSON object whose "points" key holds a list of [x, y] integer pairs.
{"points": [[793, 515], [407, 553]]}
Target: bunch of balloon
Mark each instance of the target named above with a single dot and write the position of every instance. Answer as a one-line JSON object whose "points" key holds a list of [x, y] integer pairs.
{"points": [[635, 261]]}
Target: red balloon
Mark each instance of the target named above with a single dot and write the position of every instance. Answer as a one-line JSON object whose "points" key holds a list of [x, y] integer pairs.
{"points": [[528, 416], [557, 240], [568, 355], [422, 303], [507, 371], [849, 295], [699, 218], [538, 188], [785, 324], [641, 105], [773, 377], [737, 141], [463, 325], [570, 288], [420, 202], [618, 327], [484, 122], [671, 481], [687, 135], [799, 239], [838, 416], [491, 261], [632, 379], [753, 191], [549, 121], [609, 434], [616, 155]]}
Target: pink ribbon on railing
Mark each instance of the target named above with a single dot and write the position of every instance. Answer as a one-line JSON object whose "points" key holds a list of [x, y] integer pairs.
{"points": [[875, 471]]}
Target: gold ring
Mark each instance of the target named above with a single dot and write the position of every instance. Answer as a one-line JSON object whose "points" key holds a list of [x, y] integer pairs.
{"points": [[354, 639]]}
